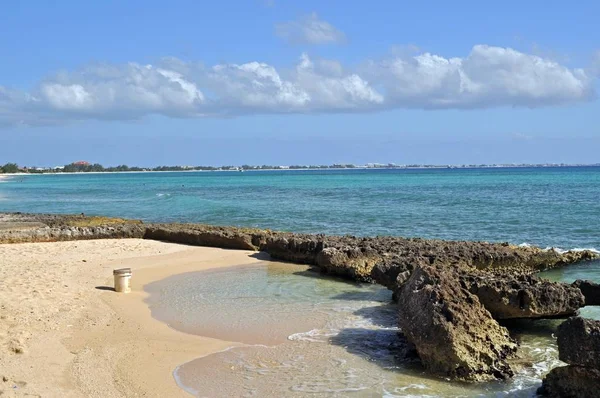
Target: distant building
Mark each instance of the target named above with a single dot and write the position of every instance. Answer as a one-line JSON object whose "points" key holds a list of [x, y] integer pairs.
{"points": [[81, 163]]}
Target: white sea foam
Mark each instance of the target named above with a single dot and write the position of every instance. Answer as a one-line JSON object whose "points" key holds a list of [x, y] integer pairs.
{"points": [[400, 392], [314, 335], [417, 386], [380, 318], [562, 251], [160, 195], [313, 388], [575, 249]]}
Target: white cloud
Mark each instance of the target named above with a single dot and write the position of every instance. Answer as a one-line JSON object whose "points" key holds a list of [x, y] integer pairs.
{"points": [[487, 77], [132, 89], [309, 29], [67, 97], [332, 90], [256, 86]]}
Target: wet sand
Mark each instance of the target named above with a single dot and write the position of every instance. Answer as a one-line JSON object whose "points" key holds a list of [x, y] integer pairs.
{"points": [[236, 304], [64, 333]]}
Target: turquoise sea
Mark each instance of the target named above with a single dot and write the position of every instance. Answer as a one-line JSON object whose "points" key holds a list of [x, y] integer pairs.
{"points": [[308, 335], [557, 207]]}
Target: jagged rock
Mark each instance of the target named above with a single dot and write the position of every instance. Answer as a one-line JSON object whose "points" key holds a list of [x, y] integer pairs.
{"points": [[351, 262], [523, 296], [200, 235], [455, 336], [383, 257], [386, 273], [579, 342], [293, 247], [571, 382], [63, 233], [500, 259], [590, 290]]}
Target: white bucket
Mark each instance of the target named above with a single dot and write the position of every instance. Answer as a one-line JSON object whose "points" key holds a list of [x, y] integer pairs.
{"points": [[122, 278]]}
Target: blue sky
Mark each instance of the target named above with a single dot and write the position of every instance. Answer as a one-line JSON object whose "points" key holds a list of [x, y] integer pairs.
{"points": [[192, 82]]}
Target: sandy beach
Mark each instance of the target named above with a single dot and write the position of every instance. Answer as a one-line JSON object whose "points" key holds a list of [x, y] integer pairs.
{"points": [[64, 334]]}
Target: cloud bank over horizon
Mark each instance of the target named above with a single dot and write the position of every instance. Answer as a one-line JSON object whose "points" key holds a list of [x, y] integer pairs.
{"points": [[487, 77]]}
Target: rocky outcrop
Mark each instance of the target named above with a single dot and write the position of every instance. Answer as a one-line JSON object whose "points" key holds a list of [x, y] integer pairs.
{"points": [[497, 258], [296, 248], [201, 235], [382, 259], [353, 262], [25, 234], [590, 290], [523, 296], [571, 382], [579, 342], [9, 220], [454, 335], [20, 228], [371, 259], [579, 346]]}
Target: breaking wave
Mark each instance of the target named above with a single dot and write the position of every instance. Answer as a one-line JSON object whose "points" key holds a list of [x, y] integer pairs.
{"points": [[562, 251]]}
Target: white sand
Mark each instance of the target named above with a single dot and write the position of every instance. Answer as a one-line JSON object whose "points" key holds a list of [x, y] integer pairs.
{"points": [[62, 337]]}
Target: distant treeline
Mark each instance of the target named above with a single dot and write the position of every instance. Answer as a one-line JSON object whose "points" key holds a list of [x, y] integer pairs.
{"points": [[84, 167], [9, 168], [98, 168]]}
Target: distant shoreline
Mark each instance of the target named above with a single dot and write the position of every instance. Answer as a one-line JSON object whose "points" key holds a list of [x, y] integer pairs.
{"points": [[422, 167]]}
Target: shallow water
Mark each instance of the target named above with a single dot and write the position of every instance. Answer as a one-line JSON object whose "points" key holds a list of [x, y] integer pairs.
{"points": [[306, 334]]}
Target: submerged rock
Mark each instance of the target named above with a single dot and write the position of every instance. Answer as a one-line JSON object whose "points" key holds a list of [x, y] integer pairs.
{"points": [[571, 382], [454, 335], [579, 342], [590, 290], [523, 296]]}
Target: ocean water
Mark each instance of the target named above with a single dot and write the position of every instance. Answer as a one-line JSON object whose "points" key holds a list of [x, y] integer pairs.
{"points": [[557, 207], [307, 335]]}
